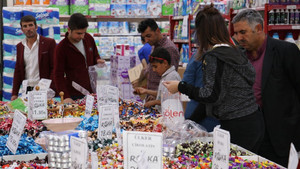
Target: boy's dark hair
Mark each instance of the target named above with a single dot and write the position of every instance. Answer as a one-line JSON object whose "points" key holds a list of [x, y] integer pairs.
{"points": [[28, 18], [159, 55], [77, 21], [147, 23], [142, 39]]}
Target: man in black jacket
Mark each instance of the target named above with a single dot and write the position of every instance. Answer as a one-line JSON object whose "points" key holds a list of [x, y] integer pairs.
{"points": [[277, 84]]}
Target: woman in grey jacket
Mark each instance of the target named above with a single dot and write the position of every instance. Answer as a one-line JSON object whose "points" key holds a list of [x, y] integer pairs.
{"points": [[228, 78]]}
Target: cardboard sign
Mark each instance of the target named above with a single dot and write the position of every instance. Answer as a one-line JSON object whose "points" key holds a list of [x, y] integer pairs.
{"points": [[142, 149], [105, 124], [94, 159], [293, 158], [78, 153], [89, 105], [16, 131], [221, 149], [135, 72], [44, 84], [37, 109]]}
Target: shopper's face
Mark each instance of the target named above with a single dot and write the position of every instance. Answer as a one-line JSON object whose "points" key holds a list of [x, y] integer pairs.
{"points": [[29, 29], [160, 68], [76, 35], [245, 36], [151, 36]]}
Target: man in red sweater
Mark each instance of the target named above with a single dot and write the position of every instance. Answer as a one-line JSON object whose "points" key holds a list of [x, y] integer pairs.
{"points": [[73, 56], [34, 57]]}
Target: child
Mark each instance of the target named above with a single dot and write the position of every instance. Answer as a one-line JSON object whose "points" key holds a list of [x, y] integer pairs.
{"points": [[160, 61]]}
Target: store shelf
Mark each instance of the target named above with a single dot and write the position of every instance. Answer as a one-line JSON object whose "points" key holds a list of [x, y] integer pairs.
{"points": [[180, 41], [262, 8], [99, 35], [117, 18], [283, 27], [270, 7]]}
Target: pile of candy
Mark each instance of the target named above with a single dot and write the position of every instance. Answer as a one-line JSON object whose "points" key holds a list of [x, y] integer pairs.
{"points": [[111, 157], [142, 123], [88, 124], [3, 108], [32, 128], [198, 147], [34, 164], [96, 143], [26, 146]]}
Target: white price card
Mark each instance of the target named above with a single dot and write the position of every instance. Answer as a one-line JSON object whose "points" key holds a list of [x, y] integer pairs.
{"points": [[293, 158], [16, 131], [79, 150], [94, 159], [142, 149], [107, 95], [24, 87], [89, 105], [221, 149], [37, 105], [105, 124], [117, 123], [44, 84]]}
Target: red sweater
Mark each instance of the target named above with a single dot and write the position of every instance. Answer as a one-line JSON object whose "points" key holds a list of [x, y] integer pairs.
{"points": [[45, 56], [70, 65]]}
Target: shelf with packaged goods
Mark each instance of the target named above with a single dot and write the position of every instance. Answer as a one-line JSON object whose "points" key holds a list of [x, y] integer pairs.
{"points": [[260, 8], [181, 41], [283, 27], [270, 7], [117, 18], [105, 35]]}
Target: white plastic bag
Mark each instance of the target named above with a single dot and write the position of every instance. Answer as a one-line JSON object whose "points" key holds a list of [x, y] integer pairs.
{"points": [[99, 74]]}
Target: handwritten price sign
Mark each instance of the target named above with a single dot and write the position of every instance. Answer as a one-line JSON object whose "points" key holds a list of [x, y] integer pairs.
{"points": [[106, 116]]}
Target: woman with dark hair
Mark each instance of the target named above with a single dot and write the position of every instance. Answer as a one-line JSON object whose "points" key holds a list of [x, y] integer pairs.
{"points": [[228, 77]]}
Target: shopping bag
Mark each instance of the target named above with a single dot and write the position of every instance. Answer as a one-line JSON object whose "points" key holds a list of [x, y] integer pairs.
{"points": [[99, 75]]}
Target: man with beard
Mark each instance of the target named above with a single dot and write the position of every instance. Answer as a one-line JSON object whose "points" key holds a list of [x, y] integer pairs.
{"points": [[34, 57]]}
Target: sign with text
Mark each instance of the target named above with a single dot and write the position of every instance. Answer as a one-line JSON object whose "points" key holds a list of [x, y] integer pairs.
{"points": [[221, 149], [293, 158], [44, 84], [135, 72], [79, 150], [16, 131], [37, 105], [107, 95], [89, 105], [94, 159], [142, 149], [105, 125], [117, 123]]}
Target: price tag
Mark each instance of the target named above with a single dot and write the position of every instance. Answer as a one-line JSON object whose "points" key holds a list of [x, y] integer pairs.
{"points": [[24, 87], [291, 7], [89, 105], [38, 105], [16, 131], [117, 123], [107, 95], [142, 149], [44, 84], [293, 158], [78, 153], [221, 149], [94, 159], [105, 124]]}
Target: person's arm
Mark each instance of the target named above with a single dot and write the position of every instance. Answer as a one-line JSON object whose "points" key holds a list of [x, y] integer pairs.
{"points": [[152, 103], [144, 63], [52, 46], [211, 90], [141, 90], [17, 81]]}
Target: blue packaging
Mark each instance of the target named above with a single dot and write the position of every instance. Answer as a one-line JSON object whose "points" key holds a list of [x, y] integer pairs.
{"points": [[12, 33], [154, 7], [8, 80], [184, 7], [118, 2], [12, 15], [124, 27], [9, 49], [44, 15], [117, 10], [137, 10], [6, 95], [103, 28], [9, 63], [51, 32], [113, 28]]}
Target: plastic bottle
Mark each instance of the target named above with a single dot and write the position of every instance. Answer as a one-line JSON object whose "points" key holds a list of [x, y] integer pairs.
{"points": [[271, 17], [176, 31], [289, 38], [277, 17], [297, 15], [275, 35], [292, 17]]}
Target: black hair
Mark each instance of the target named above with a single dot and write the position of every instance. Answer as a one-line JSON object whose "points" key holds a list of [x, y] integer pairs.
{"points": [[77, 21], [28, 18], [159, 55], [142, 39], [147, 23]]}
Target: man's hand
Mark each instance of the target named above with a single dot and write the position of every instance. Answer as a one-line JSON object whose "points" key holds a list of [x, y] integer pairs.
{"points": [[100, 61], [140, 90], [14, 97], [150, 103], [69, 100]]}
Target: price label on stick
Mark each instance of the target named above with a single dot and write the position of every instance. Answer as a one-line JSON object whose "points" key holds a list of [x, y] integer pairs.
{"points": [[221, 149], [89, 105], [78, 153], [16, 131], [105, 125], [38, 105]]}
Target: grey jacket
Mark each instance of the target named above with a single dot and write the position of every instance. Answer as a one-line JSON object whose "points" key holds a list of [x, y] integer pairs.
{"points": [[228, 78]]}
